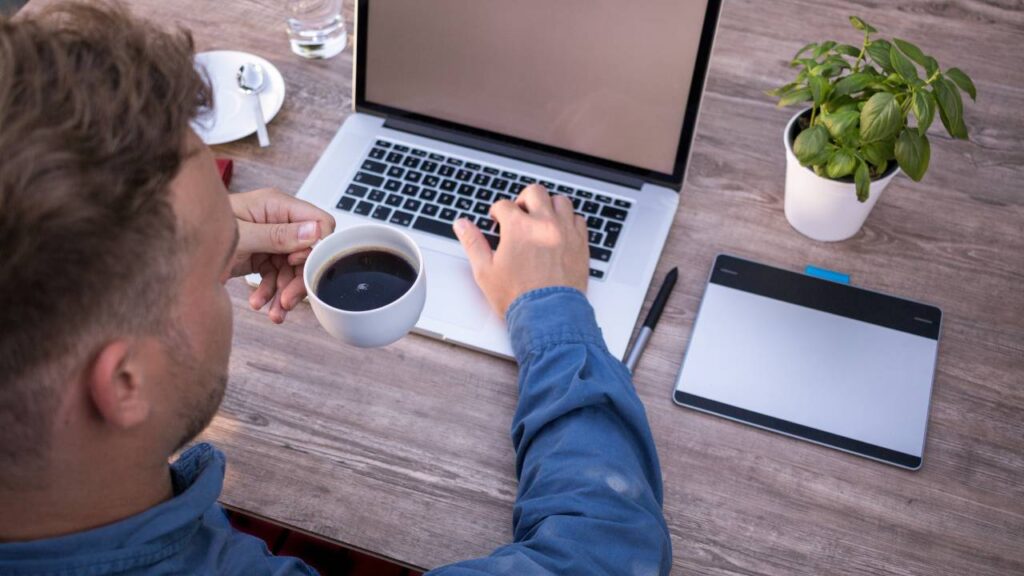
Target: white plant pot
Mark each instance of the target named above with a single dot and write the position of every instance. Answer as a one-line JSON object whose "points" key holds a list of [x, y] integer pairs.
{"points": [[820, 208]]}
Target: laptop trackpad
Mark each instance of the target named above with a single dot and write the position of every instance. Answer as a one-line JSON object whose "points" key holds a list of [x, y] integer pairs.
{"points": [[452, 294]]}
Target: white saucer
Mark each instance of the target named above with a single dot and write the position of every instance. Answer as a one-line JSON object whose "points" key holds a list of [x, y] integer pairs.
{"points": [[232, 115]]}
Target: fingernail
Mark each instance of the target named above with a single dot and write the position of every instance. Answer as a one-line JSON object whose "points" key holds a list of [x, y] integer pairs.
{"points": [[460, 225], [307, 231]]}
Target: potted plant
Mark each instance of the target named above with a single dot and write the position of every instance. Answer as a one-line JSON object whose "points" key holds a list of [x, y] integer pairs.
{"points": [[857, 134]]}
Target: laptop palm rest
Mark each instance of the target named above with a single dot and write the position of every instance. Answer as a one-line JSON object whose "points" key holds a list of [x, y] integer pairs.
{"points": [[452, 294]]}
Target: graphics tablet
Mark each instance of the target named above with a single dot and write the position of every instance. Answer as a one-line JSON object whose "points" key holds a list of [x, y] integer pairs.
{"points": [[813, 359]]}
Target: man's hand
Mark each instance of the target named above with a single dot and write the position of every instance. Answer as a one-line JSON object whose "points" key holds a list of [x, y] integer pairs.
{"points": [[543, 243], [276, 233]]}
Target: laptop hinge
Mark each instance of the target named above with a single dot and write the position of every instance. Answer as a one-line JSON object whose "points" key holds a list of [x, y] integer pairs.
{"points": [[513, 151]]}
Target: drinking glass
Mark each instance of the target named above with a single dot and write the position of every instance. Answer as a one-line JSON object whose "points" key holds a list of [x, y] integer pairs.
{"points": [[316, 28]]}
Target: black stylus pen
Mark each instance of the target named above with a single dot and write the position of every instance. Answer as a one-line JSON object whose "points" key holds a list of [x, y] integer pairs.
{"points": [[633, 356]]}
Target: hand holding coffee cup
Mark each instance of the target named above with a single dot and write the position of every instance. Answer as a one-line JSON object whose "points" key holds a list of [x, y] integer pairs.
{"points": [[366, 284]]}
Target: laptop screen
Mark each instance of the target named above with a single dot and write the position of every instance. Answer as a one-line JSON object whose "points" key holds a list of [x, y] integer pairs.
{"points": [[604, 78]]}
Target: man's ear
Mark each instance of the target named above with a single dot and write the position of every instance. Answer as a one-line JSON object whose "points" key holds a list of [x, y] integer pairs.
{"points": [[115, 383]]}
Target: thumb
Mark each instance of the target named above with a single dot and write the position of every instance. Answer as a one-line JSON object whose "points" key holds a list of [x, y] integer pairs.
{"points": [[276, 238], [473, 242]]}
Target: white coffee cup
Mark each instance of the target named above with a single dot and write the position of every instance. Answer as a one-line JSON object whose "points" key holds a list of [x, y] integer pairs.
{"points": [[368, 328]]}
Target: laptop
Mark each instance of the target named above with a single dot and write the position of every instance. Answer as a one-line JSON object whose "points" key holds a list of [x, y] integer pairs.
{"points": [[460, 103]]}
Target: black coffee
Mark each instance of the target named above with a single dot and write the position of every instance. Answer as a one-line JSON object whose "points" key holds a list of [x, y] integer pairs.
{"points": [[365, 280]]}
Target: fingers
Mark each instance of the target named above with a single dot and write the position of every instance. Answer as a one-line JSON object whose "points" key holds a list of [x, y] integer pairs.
{"points": [[277, 238], [294, 292], [299, 258], [473, 242], [503, 211], [285, 274], [268, 280], [535, 199], [563, 208]]}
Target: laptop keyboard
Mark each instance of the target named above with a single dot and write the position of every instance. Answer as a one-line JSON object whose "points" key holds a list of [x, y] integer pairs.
{"points": [[427, 191]]}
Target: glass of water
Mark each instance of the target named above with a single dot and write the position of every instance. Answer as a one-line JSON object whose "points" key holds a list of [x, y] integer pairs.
{"points": [[316, 28]]}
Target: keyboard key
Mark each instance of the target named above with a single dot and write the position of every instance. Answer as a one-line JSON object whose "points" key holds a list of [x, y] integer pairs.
{"points": [[472, 166], [393, 185], [449, 215], [596, 273], [466, 190], [383, 143], [499, 197], [377, 195], [584, 194], [463, 175], [446, 171], [611, 239], [412, 205], [445, 199], [622, 203], [395, 158], [611, 226], [418, 152], [428, 167], [433, 226], [613, 213], [547, 184], [411, 162], [374, 166], [368, 179], [468, 216], [509, 175], [357, 190], [436, 157], [400, 148], [411, 190], [346, 203], [499, 184], [401, 218], [378, 153], [576, 202], [482, 208], [464, 204], [412, 176], [600, 254], [428, 195], [393, 200], [429, 209], [492, 240], [449, 185], [591, 207], [482, 180], [594, 223], [603, 198], [395, 172], [491, 171], [363, 208], [565, 189], [527, 180], [594, 237], [381, 213], [454, 161], [485, 224], [515, 188], [484, 194]]}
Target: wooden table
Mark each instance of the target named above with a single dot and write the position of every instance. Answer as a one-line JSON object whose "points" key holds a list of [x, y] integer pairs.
{"points": [[404, 452]]}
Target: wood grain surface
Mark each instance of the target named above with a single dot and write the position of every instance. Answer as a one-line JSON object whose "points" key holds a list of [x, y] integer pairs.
{"points": [[404, 451]]}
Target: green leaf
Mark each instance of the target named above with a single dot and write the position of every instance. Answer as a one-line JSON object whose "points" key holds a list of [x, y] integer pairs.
{"points": [[804, 49], [963, 81], [913, 153], [923, 106], [842, 124], [878, 51], [794, 96], [854, 83], [810, 145], [822, 48], [881, 118], [842, 163], [905, 68], [848, 50], [820, 89], [878, 153], [862, 180], [862, 25], [914, 53], [781, 89], [951, 108]]}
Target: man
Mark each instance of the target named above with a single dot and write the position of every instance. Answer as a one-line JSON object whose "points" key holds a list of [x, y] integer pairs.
{"points": [[116, 238]]}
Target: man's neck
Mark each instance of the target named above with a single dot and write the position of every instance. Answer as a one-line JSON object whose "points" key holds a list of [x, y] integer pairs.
{"points": [[73, 498]]}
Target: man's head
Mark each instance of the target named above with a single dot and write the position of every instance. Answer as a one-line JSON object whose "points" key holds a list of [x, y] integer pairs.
{"points": [[115, 238]]}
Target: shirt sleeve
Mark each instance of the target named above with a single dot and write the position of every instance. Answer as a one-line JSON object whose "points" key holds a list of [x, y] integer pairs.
{"points": [[590, 494]]}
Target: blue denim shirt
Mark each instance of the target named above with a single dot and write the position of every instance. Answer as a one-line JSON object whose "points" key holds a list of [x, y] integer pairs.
{"points": [[589, 499]]}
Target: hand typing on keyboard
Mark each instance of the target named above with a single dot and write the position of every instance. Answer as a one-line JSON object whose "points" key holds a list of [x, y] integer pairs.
{"points": [[543, 243]]}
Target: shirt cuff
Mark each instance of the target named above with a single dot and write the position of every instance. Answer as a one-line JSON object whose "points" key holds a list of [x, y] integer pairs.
{"points": [[551, 316]]}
